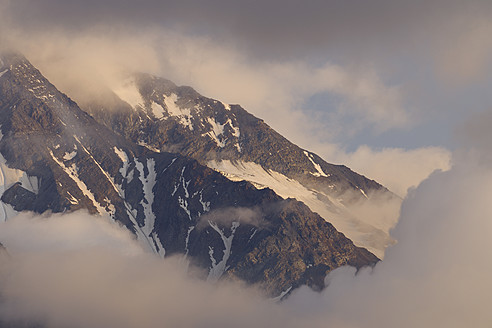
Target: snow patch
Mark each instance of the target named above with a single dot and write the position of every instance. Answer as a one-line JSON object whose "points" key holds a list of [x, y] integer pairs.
{"points": [[124, 168], [285, 292], [253, 234], [362, 192], [205, 205], [226, 106], [183, 203], [157, 110], [8, 177], [70, 156], [72, 199], [110, 179], [160, 249], [110, 209], [144, 144], [320, 172], [3, 72], [184, 114], [218, 269], [148, 182], [72, 172], [121, 154], [149, 241], [217, 132], [187, 240], [369, 232]]}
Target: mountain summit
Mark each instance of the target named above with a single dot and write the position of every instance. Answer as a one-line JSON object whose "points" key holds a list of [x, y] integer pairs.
{"points": [[56, 157], [156, 113]]}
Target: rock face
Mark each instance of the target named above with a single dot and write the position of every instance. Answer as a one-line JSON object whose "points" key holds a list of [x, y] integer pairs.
{"points": [[56, 157], [156, 113]]}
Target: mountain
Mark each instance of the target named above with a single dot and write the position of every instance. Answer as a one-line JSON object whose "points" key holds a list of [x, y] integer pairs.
{"points": [[55, 157], [156, 113]]}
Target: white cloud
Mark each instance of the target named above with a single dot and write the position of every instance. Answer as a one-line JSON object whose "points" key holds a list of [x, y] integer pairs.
{"points": [[275, 91], [74, 270], [396, 168], [78, 271], [438, 273]]}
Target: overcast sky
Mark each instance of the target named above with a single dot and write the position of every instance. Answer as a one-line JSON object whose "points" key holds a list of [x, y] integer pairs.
{"points": [[351, 80], [393, 89]]}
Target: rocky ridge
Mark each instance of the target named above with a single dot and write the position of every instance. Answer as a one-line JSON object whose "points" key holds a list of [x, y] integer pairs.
{"points": [[56, 157], [156, 113]]}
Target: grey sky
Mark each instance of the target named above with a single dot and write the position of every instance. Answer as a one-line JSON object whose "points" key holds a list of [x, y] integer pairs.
{"points": [[270, 27], [332, 76]]}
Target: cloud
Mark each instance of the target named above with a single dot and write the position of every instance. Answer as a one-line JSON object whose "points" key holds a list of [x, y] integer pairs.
{"points": [[270, 58], [396, 168], [83, 65], [74, 270], [226, 216], [465, 51], [79, 271], [474, 134], [270, 28], [50, 233], [82, 53], [437, 275]]}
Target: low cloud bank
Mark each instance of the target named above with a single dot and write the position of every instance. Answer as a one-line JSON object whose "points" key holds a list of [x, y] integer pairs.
{"points": [[396, 168], [437, 275], [74, 270]]}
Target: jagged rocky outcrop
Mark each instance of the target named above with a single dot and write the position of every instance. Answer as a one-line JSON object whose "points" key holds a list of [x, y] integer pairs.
{"points": [[56, 157], [156, 113]]}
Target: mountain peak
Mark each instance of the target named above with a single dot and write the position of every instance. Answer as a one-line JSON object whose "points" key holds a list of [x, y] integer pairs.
{"points": [[160, 115], [56, 157]]}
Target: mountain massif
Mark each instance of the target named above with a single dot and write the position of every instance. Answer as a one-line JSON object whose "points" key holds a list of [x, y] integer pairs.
{"points": [[162, 176], [156, 113]]}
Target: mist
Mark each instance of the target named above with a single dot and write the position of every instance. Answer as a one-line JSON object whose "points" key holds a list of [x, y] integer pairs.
{"points": [[89, 49], [80, 271], [74, 270], [436, 275], [225, 216]]}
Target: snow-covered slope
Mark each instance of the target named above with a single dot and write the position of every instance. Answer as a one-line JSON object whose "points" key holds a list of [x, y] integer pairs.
{"points": [[371, 232]]}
